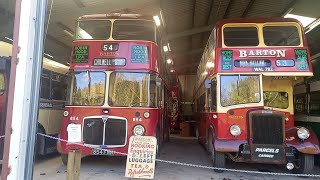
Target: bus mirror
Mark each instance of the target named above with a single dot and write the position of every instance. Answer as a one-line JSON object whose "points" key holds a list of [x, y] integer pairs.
{"points": [[207, 83]]}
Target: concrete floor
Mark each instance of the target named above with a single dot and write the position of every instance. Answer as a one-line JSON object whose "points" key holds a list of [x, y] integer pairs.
{"points": [[178, 149]]}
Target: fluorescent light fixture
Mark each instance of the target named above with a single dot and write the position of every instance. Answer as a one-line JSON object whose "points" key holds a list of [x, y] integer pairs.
{"points": [[305, 21], [157, 20], [9, 39], [172, 70], [210, 64], [165, 48], [169, 61], [68, 33]]}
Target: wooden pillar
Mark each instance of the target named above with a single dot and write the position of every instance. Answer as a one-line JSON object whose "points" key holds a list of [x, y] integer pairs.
{"points": [[74, 163]]}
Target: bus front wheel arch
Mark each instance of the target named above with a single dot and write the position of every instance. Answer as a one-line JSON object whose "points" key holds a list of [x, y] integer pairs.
{"points": [[218, 158]]}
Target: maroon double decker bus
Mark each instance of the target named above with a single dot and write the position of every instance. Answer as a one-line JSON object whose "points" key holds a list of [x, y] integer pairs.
{"points": [[244, 95], [116, 89]]}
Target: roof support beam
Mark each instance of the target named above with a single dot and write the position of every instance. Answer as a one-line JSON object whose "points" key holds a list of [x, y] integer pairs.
{"points": [[288, 8], [246, 11], [227, 9], [190, 32], [192, 52]]}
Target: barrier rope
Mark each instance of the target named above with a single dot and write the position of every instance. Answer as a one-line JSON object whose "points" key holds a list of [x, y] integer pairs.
{"points": [[191, 165]]}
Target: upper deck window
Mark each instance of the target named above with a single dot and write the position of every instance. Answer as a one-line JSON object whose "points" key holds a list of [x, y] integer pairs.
{"points": [[2, 83], [134, 30], [240, 36], [281, 36], [93, 29]]}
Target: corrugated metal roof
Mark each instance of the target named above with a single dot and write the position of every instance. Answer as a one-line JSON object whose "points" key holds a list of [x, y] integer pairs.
{"points": [[191, 16]]}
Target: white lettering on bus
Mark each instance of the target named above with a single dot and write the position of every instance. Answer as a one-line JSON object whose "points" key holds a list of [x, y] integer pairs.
{"points": [[262, 53]]}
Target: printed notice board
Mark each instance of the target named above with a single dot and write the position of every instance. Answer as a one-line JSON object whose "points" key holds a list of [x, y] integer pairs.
{"points": [[302, 59], [80, 54], [141, 157], [226, 60], [139, 54]]}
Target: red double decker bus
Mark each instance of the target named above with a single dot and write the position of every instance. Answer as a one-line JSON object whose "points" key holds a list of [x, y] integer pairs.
{"points": [[116, 88], [244, 96]]}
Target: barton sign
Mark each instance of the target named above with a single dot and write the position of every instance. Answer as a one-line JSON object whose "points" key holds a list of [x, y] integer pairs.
{"points": [[141, 157]]}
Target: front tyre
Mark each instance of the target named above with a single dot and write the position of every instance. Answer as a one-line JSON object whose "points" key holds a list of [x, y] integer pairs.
{"points": [[218, 158], [305, 164]]}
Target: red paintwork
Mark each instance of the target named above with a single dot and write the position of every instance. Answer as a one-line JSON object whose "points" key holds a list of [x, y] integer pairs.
{"points": [[308, 146], [289, 54], [150, 124], [219, 128], [95, 51]]}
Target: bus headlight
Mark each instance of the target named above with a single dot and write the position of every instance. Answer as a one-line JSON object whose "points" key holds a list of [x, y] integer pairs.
{"points": [[138, 130], [303, 133], [235, 130]]}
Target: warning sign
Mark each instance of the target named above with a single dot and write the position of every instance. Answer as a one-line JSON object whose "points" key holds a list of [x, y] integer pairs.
{"points": [[141, 157]]}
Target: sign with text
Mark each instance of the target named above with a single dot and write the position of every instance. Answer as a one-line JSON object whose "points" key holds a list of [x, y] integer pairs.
{"points": [[139, 54], [80, 54], [226, 60], [141, 157], [252, 63]]}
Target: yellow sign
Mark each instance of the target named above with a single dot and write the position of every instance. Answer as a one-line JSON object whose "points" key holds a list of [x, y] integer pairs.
{"points": [[141, 157]]}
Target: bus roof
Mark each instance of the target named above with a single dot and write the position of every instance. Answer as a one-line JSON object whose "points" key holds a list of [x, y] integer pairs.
{"points": [[115, 16], [256, 20]]}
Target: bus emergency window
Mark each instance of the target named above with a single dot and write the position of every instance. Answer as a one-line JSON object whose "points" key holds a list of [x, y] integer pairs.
{"points": [[276, 99], [132, 90], [240, 36], [134, 30], [314, 103], [88, 88], [281, 36], [2, 83], [239, 89], [93, 29]]}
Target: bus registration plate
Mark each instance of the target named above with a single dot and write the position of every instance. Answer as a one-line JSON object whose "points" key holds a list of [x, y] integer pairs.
{"points": [[102, 152]]}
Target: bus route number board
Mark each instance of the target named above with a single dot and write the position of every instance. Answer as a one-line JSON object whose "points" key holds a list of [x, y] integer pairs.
{"points": [[110, 47]]}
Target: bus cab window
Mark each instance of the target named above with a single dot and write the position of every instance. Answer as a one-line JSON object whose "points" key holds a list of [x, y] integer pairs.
{"points": [[2, 83]]}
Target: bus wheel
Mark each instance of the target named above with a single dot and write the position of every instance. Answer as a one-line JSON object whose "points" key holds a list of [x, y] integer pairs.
{"points": [[64, 158], [39, 144], [218, 158], [305, 164]]}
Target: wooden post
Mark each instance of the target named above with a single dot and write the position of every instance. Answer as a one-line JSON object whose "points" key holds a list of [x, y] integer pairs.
{"points": [[74, 163]]}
